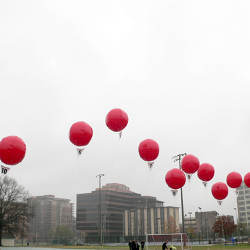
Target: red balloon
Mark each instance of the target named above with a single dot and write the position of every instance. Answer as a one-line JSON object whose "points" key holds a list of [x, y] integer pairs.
{"points": [[220, 190], [12, 150], [116, 120], [149, 150], [247, 180], [175, 178], [80, 134], [234, 180], [190, 164], [205, 172]]}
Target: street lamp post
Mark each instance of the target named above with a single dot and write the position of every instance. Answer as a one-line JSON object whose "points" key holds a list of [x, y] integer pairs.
{"points": [[100, 207], [236, 217], [206, 225], [190, 213], [201, 223], [179, 158]]}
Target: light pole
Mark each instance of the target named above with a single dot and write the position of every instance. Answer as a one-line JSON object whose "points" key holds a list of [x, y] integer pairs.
{"points": [[179, 158], [206, 225], [245, 201], [190, 227], [236, 217], [100, 207], [201, 223]]}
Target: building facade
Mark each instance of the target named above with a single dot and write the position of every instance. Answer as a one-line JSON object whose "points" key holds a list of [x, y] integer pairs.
{"points": [[104, 209], [243, 204], [205, 222], [48, 212], [155, 220]]}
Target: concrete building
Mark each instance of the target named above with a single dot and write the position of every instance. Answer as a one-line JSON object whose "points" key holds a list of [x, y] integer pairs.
{"points": [[243, 204], [114, 199], [48, 212], [156, 220], [205, 222]]}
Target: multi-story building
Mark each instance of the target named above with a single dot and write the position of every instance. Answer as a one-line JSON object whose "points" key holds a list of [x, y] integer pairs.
{"points": [[48, 212], [104, 208], [243, 204], [154, 220], [205, 222]]}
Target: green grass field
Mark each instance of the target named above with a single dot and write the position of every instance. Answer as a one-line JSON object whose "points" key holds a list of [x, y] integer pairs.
{"points": [[215, 247]]}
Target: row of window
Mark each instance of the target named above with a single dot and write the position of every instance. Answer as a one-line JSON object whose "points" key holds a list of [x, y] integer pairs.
{"points": [[244, 208], [244, 214]]}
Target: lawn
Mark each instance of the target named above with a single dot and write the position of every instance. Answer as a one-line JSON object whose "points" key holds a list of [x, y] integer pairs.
{"points": [[214, 247]]}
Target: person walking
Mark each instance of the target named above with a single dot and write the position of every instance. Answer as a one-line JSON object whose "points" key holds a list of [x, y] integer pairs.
{"points": [[137, 246], [133, 245], [164, 246], [142, 244], [130, 245]]}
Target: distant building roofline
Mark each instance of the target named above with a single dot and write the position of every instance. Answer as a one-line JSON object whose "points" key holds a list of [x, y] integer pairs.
{"points": [[48, 197]]}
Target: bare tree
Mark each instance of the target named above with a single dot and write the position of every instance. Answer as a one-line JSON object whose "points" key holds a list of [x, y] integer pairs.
{"points": [[224, 226], [13, 206]]}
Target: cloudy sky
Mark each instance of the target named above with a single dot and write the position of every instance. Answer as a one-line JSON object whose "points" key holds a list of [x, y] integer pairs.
{"points": [[180, 69]]}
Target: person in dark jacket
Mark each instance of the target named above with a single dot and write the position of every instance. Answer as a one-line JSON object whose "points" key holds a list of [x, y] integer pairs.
{"points": [[130, 245], [164, 246], [137, 245], [142, 244], [133, 245]]}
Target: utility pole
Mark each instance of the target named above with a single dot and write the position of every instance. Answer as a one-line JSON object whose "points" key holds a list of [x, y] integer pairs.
{"points": [[206, 225], [235, 209], [190, 227], [201, 223], [100, 207], [179, 158]]}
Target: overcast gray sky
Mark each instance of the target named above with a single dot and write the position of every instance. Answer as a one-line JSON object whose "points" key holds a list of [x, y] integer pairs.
{"points": [[180, 69]]}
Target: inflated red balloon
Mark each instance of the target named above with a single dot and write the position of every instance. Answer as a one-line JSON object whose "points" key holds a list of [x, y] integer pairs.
{"points": [[247, 180], [148, 150], [12, 150], [175, 178], [80, 134], [190, 164], [220, 190], [205, 172], [116, 120], [234, 180]]}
